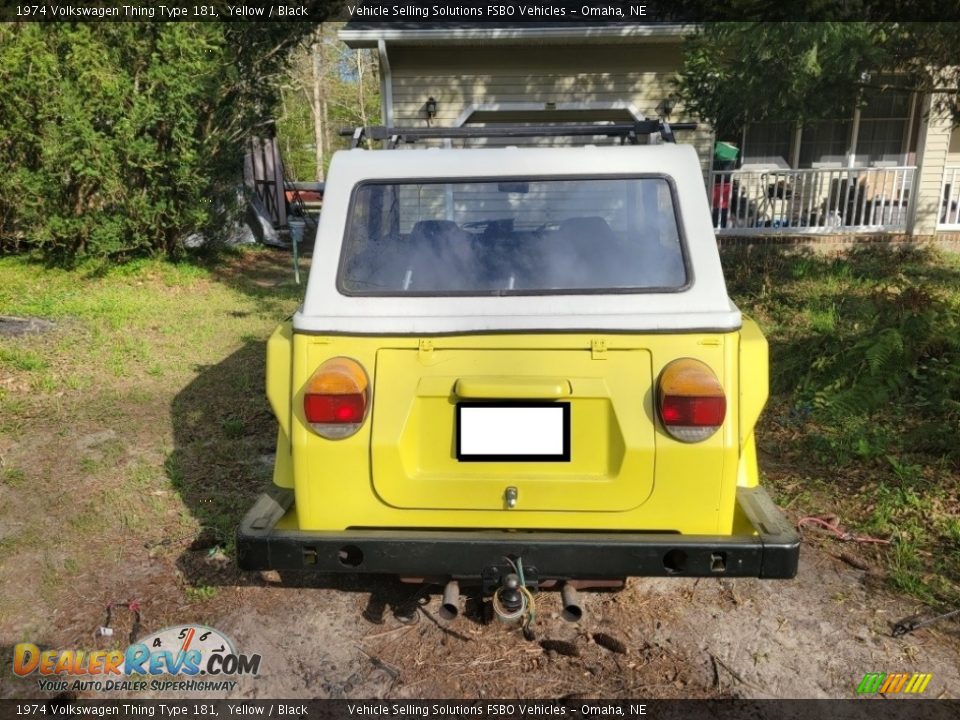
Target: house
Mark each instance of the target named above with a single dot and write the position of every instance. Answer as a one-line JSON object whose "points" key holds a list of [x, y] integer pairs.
{"points": [[889, 167]]}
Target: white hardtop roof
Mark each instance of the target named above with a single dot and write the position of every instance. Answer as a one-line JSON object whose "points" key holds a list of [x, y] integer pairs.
{"points": [[703, 306]]}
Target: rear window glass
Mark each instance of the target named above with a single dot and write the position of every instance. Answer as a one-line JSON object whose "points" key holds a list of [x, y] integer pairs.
{"points": [[512, 236]]}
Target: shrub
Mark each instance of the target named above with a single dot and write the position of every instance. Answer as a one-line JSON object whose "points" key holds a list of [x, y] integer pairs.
{"points": [[118, 139], [866, 344]]}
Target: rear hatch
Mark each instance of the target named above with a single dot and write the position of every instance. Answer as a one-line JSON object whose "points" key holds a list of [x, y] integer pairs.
{"points": [[506, 446]]}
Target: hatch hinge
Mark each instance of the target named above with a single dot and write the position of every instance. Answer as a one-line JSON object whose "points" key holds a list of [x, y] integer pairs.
{"points": [[598, 349], [426, 350]]}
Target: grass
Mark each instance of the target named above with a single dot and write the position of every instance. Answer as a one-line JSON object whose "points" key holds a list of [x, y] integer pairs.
{"points": [[23, 360], [137, 427], [13, 477], [202, 592], [134, 426], [863, 414]]}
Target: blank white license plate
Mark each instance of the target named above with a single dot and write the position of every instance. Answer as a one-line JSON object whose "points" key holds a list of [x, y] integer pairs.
{"points": [[534, 432]]}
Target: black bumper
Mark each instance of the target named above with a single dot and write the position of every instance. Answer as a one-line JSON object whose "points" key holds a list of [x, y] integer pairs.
{"points": [[772, 552]]}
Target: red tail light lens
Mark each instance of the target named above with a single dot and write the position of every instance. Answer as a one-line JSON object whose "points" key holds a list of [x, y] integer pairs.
{"points": [[691, 400], [696, 411], [337, 398], [335, 408]]}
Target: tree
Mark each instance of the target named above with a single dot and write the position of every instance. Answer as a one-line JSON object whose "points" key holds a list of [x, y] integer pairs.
{"points": [[119, 139], [318, 100], [735, 73], [329, 86]]}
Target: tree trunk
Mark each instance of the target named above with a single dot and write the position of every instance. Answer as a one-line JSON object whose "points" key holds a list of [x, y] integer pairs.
{"points": [[287, 155], [363, 105], [318, 101], [326, 127]]}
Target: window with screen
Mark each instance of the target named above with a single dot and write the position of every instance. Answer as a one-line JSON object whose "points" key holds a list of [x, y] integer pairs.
{"points": [[825, 142], [768, 143]]}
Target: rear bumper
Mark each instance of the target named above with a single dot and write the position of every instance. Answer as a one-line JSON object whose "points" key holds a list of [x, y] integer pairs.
{"points": [[772, 552]]}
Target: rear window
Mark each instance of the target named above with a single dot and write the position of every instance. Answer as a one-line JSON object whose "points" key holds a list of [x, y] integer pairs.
{"points": [[512, 237]]}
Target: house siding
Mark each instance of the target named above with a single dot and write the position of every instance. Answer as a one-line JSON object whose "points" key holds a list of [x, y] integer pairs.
{"points": [[933, 158], [460, 76], [488, 69]]}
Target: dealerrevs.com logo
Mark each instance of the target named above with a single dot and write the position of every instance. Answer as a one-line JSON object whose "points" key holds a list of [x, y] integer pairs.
{"points": [[893, 683], [202, 655]]}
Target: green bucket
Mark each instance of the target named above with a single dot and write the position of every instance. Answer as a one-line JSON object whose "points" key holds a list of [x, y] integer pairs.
{"points": [[725, 152]]}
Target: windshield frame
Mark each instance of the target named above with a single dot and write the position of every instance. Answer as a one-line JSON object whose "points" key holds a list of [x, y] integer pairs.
{"points": [[500, 292]]}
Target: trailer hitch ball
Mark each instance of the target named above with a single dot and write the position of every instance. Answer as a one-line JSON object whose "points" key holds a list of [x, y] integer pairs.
{"points": [[509, 604]]}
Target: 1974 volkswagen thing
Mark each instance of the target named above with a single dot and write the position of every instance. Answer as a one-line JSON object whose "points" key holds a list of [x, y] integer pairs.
{"points": [[518, 364]]}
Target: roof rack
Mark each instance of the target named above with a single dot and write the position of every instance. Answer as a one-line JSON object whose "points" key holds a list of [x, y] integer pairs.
{"points": [[627, 132]]}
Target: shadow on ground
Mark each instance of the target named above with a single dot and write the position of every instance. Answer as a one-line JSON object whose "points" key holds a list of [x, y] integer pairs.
{"points": [[265, 274], [224, 435], [224, 443]]}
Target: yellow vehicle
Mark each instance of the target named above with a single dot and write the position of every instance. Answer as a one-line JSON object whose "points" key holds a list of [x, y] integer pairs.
{"points": [[518, 359]]}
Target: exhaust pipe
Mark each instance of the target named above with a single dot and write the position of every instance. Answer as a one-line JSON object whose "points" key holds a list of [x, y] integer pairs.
{"points": [[570, 600], [450, 605]]}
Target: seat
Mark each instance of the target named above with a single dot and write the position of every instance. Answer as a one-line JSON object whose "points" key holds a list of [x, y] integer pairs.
{"points": [[580, 251], [440, 257], [586, 230], [435, 231]]}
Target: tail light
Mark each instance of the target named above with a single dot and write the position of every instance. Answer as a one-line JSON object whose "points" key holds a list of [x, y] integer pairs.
{"points": [[691, 401], [337, 398]]}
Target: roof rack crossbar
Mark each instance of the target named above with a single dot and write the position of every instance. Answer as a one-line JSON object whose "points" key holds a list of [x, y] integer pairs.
{"points": [[627, 132]]}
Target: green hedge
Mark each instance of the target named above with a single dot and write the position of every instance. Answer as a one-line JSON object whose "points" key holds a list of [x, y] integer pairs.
{"points": [[118, 139]]}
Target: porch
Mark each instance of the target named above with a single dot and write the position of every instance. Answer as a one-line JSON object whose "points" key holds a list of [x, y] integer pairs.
{"points": [[949, 219], [752, 201]]}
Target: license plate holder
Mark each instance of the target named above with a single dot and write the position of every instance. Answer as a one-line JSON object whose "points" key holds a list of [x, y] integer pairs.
{"points": [[513, 431]]}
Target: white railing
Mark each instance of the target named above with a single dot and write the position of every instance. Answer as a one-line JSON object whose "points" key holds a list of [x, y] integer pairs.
{"points": [[749, 201], [949, 218]]}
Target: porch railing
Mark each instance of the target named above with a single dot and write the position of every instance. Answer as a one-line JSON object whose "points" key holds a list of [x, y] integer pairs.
{"points": [[749, 201], [949, 218]]}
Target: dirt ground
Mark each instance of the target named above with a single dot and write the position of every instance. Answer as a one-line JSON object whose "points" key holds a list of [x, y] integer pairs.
{"points": [[322, 637], [813, 637]]}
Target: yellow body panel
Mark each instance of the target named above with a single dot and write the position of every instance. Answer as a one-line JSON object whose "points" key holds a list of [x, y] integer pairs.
{"points": [[754, 377], [626, 473], [413, 462], [279, 375]]}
